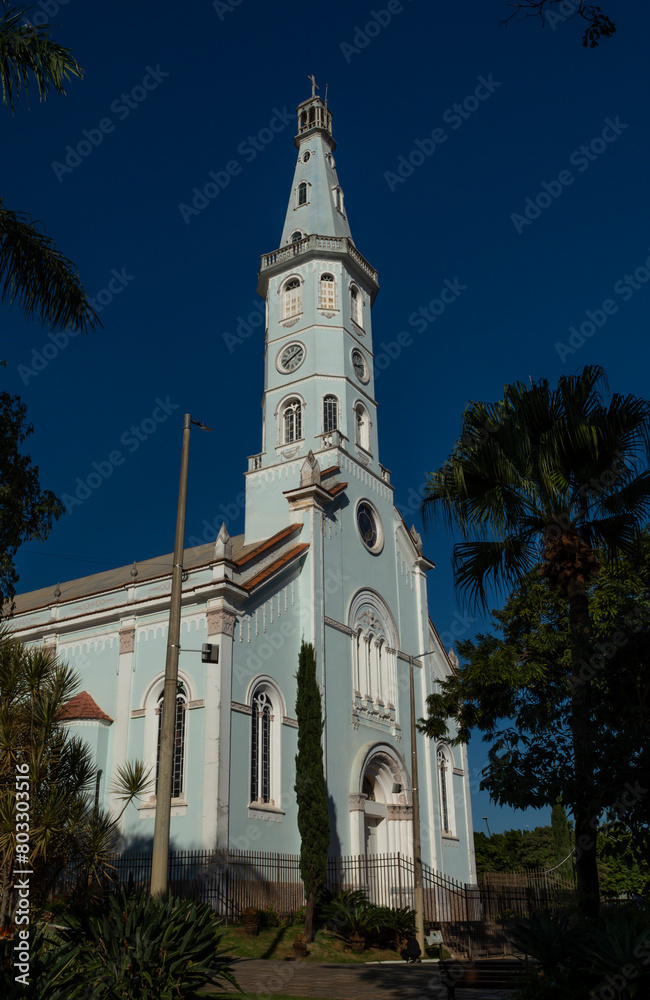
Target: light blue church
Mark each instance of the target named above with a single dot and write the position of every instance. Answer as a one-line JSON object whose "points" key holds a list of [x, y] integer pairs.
{"points": [[325, 555]]}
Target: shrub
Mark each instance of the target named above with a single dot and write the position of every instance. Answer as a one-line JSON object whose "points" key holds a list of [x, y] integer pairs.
{"points": [[352, 917], [395, 924], [141, 948], [609, 957], [269, 917], [546, 938], [47, 969]]}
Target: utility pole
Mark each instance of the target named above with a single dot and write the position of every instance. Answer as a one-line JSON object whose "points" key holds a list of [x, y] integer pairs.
{"points": [[418, 895], [160, 853]]}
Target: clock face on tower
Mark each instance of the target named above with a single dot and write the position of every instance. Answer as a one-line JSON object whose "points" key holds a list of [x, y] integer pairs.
{"points": [[360, 366], [290, 358]]}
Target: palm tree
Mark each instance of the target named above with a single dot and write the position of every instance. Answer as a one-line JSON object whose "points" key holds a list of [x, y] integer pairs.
{"points": [[33, 273], [65, 828], [550, 474]]}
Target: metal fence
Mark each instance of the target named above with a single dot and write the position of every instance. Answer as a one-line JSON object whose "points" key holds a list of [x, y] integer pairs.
{"points": [[475, 919]]}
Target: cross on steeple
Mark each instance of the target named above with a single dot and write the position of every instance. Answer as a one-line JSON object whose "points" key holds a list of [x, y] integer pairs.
{"points": [[314, 85]]}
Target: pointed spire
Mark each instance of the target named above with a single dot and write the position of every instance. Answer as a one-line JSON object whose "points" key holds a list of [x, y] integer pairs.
{"points": [[310, 471], [316, 201], [223, 544]]}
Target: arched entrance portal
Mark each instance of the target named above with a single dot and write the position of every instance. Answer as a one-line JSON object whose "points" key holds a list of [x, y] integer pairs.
{"points": [[381, 814]]}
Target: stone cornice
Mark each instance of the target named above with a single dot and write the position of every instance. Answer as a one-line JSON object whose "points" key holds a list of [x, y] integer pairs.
{"points": [[339, 626]]}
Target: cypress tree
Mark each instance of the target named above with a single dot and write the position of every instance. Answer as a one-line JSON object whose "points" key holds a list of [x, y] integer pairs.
{"points": [[561, 839], [311, 794]]}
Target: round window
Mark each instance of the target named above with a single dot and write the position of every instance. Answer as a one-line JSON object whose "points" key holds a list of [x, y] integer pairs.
{"points": [[369, 525], [306, 157]]}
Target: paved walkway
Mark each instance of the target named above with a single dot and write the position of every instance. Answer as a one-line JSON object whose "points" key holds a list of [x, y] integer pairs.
{"points": [[346, 981]]}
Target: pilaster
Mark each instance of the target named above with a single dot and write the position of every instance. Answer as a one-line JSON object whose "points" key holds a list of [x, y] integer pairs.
{"points": [[125, 668], [220, 618]]}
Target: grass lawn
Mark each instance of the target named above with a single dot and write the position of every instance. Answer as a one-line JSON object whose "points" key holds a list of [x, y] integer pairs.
{"points": [[277, 943]]}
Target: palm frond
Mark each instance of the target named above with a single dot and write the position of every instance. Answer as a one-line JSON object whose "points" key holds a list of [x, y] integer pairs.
{"points": [[487, 565], [27, 52], [538, 460], [39, 278]]}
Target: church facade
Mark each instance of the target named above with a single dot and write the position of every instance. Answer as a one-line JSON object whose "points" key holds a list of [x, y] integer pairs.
{"points": [[325, 556]]}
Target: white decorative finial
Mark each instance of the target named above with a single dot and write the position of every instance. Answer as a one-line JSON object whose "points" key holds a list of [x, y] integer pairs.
{"points": [[223, 544], [134, 570], [310, 471]]}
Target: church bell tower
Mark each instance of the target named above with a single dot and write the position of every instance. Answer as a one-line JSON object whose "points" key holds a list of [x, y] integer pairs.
{"points": [[319, 291]]}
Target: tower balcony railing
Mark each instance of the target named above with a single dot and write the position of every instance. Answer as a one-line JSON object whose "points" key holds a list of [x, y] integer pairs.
{"points": [[338, 244], [333, 439]]}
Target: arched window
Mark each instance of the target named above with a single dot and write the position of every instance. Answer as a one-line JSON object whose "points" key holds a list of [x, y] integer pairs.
{"points": [[302, 193], [374, 683], [326, 292], [178, 765], [338, 198], [330, 413], [296, 236], [291, 299], [356, 306], [361, 427], [267, 710], [261, 748], [445, 768], [291, 426]]}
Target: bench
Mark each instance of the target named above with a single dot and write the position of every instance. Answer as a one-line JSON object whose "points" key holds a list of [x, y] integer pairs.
{"points": [[489, 974]]}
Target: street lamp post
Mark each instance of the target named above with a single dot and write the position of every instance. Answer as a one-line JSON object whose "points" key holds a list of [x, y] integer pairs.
{"points": [[160, 852], [417, 850]]}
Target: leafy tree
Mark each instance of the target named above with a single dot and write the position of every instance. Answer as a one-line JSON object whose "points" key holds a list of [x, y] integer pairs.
{"points": [[545, 474], [36, 276], [64, 826], [515, 688], [551, 12], [311, 793], [621, 868], [26, 511], [33, 272], [514, 850]]}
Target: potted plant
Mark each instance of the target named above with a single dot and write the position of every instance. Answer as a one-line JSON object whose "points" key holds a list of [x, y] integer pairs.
{"points": [[357, 941], [251, 919], [300, 946]]}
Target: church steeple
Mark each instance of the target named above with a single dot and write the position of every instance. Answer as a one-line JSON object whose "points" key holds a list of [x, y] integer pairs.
{"points": [[316, 203], [319, 363]]}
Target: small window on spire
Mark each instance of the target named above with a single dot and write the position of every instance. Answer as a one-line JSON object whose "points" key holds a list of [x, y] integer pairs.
{"points": [[302, 193], [291, 422], [338, 199], [356, 306], [326, 292], [361, 427], [291, 299], [296, 236], [330, 413]]}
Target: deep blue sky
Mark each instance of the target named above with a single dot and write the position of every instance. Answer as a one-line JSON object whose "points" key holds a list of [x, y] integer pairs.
{"points": [[185, 285]]}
